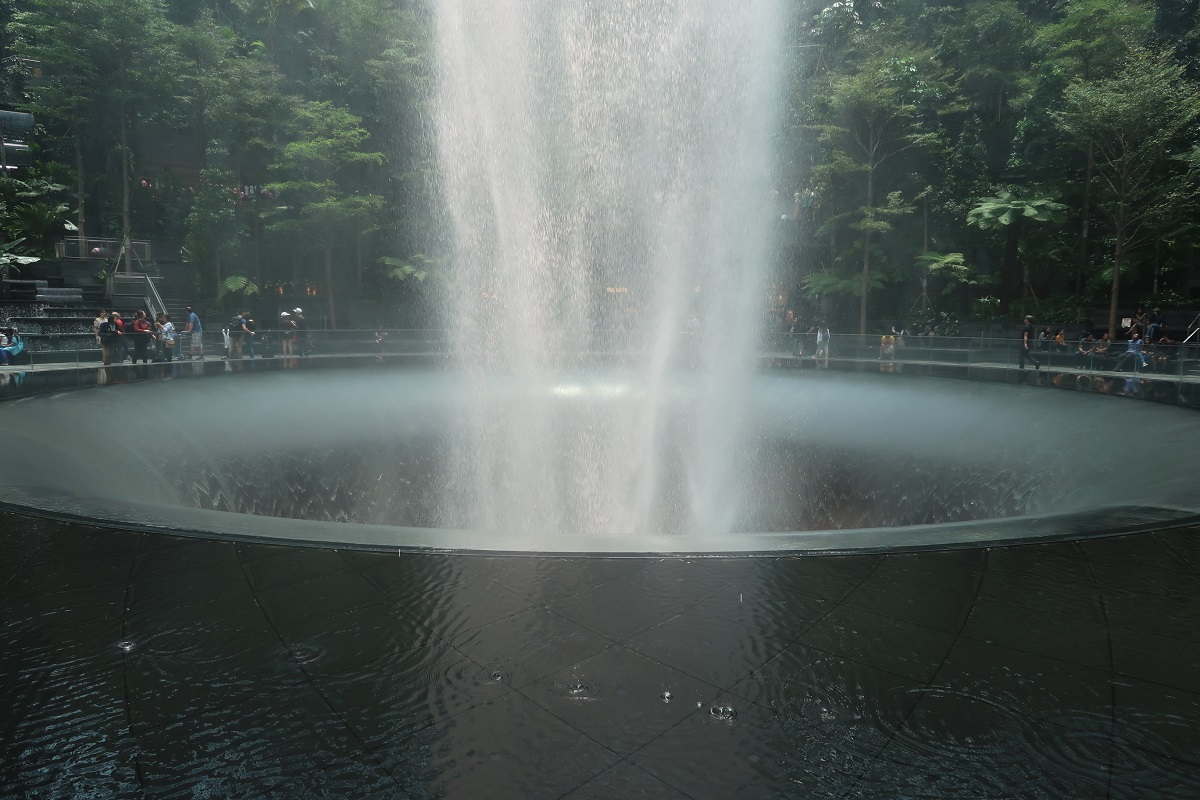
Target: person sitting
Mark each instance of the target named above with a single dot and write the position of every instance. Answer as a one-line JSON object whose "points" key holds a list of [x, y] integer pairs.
{"points": [[1154, 326], [1086, 350], [1136, 323], [1165, 351], [1100, 352], [1133, 352], [887, 347]]}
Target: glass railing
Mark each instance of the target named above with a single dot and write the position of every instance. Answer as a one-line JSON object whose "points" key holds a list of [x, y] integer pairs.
{"points": [[1179, 362], [1165, 361]]}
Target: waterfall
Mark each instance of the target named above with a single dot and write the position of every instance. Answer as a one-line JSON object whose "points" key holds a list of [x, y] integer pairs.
{"points": [[606, 165]]}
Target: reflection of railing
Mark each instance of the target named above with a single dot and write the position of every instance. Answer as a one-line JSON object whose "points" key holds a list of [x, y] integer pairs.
{"points": [[107, 249]]}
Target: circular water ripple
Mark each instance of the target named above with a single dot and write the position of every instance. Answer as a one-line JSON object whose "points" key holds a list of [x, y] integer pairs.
{"points": [[962, 744]]}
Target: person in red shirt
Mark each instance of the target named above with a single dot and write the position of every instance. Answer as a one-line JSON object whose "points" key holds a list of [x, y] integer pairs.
{"points": [[141, 338]]}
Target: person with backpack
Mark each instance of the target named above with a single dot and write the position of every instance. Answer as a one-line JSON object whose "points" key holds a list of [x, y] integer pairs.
{"points": [[235, 332], [110, 337], [287, 334]]}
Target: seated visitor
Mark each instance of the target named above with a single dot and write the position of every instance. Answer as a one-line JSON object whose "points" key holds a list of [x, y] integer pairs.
{"points": [[1165, 351], [1086, 350], [1132, 355]]}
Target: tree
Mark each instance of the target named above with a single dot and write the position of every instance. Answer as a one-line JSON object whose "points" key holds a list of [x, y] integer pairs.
{"points": [[871, 121], [1010, 213], [320, 174], [108, 63], [57, 33], [1091, 40], [1134, 122], [214, 232]]}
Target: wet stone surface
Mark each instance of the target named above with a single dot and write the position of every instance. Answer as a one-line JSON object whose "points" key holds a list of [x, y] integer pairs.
{"points": [[138, 665]]}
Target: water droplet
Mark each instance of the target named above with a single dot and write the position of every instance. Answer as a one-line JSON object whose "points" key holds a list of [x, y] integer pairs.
{"points": [[307, 653], [496, 676], [126, 645], [722, 712], [699, 705], [576, 687], [666, 697]]}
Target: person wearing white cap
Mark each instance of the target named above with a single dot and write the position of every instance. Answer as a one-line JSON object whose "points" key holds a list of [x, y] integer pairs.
{"points": [[287, 333]]}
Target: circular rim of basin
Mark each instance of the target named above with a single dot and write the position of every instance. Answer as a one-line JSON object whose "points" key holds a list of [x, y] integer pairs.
{"points": [[144, 516], [201, 523]]}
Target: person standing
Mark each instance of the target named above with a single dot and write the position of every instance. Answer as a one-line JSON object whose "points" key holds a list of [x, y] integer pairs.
{"points": [[248, 327], [302, 332], [110, 337], [195, 333], [101, 318], [287, 334], [166, 334], [141, 338], [1027, 344], [822, 345], [236, 333]]}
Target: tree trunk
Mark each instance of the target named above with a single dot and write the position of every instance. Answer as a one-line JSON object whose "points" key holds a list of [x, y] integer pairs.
{"points": [[926, 305], [329, 278], [80, 214], [1010, 271], [1157, 264], [866, 270], [126, 242], [358, 262], [1114, 295], [865, 283], [1085, 213]]}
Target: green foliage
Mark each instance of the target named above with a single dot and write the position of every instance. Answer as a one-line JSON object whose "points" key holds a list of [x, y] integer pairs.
{"points": [[1053, 310], [986, 308], [302, 128], [1133, 122], [417, 268], [239, 286], [11, 259], [1005, 209]]}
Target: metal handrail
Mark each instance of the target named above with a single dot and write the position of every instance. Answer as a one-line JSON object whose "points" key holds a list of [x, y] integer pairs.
{"points": [[153, 301], [105, 248]]}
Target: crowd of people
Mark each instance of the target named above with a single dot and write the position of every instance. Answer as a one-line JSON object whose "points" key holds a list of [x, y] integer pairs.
{"points": [[798, 333], [161, 341], [1148, 346]]}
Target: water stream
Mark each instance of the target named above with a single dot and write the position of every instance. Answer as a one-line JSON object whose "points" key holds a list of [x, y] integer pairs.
{"points": [[606, 168]]}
